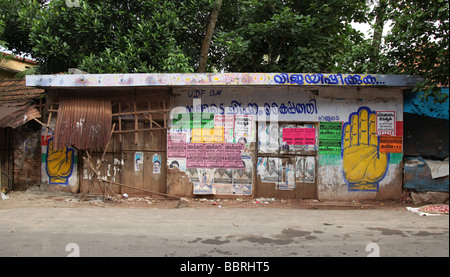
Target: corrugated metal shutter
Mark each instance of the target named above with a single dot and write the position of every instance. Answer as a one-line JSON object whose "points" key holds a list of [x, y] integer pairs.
{"points": [[83, 123]]}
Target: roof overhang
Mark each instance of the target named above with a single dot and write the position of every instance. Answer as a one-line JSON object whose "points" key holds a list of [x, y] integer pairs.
{"points": [[225, 79], [16, 114]]}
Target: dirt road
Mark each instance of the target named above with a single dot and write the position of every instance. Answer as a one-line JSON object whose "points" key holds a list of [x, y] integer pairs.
{"points": [[37, 197]]}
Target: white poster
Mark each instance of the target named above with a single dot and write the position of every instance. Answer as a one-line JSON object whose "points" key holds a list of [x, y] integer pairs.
{"points": [[386, 123]]}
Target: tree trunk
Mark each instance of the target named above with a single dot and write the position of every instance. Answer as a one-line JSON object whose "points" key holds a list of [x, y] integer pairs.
{"points": [[380, 12], [208, 37]]}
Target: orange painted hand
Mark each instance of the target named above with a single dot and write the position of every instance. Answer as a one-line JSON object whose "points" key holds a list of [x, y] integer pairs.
{"points": [[364, 166], [59, 164]]}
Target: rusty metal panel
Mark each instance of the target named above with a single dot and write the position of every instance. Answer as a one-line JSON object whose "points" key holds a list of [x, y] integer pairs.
{"points": [[83, 123], [15, 114]]}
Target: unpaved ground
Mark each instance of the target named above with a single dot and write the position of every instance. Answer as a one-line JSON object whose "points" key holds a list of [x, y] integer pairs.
{"points": [[36, 197]]}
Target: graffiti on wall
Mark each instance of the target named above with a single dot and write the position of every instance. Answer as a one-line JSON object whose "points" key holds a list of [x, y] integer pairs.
{"points": [[364, 166]]}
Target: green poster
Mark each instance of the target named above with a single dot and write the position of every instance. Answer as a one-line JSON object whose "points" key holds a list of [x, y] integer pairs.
{"points": [[330, 135]]}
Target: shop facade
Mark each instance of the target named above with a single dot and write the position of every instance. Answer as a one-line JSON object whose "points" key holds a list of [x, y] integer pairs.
{"points": [[286, 136]]}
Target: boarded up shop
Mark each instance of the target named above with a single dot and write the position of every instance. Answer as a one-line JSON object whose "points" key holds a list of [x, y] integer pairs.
{"points": [[297, 136]]}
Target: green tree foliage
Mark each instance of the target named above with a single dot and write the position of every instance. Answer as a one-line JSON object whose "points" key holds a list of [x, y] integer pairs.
{"points": [[113, 36], [419, 41], [100, 36], [289, 35]]}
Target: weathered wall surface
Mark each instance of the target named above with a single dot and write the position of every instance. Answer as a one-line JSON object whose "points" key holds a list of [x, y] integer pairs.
{"points": [[27, 156], [359, 157]]}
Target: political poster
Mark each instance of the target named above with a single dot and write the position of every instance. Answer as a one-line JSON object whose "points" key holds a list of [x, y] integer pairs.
{"points": [[195, 155], [330, 136], [299, 136], [386, 123], [214, 155], [388, 144], [176, 145]]}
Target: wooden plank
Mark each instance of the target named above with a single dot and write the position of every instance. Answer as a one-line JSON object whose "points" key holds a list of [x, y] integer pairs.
{"points": [[136, 122], [129, 161]]}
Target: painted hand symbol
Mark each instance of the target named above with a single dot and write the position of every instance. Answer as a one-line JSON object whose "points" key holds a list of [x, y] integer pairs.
{"points": [[59, 164], [364, 166]]}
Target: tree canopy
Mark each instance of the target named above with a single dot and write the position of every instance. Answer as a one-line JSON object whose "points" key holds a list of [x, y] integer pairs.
{"points": [[118, 36]]}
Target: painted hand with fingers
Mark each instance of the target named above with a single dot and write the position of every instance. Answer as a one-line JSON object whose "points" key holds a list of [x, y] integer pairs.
{"points": [[59, 164], [364, 166]]}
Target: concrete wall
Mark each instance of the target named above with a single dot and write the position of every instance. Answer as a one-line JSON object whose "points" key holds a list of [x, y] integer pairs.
{"points": [[358, 169]]}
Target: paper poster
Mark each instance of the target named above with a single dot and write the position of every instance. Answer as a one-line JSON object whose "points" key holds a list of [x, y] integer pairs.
{"points": [[177, 163], [268, 137], [214, 155], [329, 147], [196, 135], [156, 164], [207, 126], [193, 174], [223, 128], [232, 155], [305, 169], [223, 176], [223, 181], [243, 178], [299, 136], [390, 144], [176, 145], [138, 161], [244, 175], [242, 189], [204, 180], [330, 136], [243, 128], [261, 166], [195, 155], [272, 173], [386, 123], [289, 183], [223, 189], [330, 130]]}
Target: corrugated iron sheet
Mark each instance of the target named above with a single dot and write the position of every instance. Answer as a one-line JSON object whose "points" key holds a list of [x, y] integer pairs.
{"points": [[83, 123], [15, 114]]}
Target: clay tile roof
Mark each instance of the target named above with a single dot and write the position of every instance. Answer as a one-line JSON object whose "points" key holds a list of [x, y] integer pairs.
{"points": [[15, 90]]}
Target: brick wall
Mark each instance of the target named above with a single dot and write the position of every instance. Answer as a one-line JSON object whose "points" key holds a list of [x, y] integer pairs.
{"points": [[27, 156]]}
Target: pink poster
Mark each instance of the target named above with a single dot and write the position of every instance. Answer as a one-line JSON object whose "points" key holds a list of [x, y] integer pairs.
{"points": [[176, 145], [195, 153], [214, 157], [299, 136], [232, 155]]}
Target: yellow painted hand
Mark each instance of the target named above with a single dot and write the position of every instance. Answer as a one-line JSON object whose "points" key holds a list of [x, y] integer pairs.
{"points": [[364, 166], [59, 164]]}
